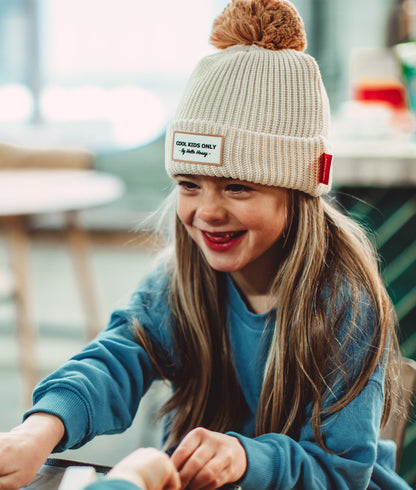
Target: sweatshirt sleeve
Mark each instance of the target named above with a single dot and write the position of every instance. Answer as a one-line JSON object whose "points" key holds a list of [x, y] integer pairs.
{"points": [[275, 461], [98, 390]]}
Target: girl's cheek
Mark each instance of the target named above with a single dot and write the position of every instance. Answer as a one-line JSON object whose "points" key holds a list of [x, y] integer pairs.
{"points": [[180, 212], [182, 218], [185, 217]]}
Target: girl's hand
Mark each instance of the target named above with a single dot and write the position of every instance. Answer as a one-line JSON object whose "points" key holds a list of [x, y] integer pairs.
{"points": [[207, 460], [25, 448], [149, 469]]}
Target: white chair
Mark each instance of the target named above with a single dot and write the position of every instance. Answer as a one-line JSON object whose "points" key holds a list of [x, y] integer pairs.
{"points": [[396, 426]]}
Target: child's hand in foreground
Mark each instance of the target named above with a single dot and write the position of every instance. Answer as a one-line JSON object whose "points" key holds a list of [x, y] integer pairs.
{"points": [[149, 469]]}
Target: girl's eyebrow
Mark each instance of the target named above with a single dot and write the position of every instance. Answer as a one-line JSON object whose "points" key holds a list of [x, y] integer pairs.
{"points": [[224, 180]]}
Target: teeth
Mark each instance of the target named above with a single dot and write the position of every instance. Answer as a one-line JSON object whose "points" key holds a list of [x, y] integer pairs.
{"points": [[225, 236], [221, 235]]}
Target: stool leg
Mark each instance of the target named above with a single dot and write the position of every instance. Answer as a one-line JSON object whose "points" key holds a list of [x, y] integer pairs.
{"points": [[80, 248], [26, 330]]}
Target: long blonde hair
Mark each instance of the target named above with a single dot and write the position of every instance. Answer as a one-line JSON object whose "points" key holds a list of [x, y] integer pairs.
{"points": [[325, 255]]}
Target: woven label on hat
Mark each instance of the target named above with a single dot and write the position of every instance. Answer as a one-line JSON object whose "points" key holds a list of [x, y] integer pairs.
{"points": [[197, 148], [325, 170]]}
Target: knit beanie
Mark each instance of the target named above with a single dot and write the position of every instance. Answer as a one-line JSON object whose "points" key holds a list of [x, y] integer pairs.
{"points": [[257, 110]]}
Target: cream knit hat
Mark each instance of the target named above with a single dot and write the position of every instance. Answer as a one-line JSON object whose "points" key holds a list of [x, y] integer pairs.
{"points": [[257, 110]]}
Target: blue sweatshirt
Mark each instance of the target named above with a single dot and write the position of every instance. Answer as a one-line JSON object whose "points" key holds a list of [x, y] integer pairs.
{"points": [[99, 389], [112, 485]]}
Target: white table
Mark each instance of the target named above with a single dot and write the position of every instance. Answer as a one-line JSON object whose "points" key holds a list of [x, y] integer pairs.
{"points": [[28, 193], [385, 163]]}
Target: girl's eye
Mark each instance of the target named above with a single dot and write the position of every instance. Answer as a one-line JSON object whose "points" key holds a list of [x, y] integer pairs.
{"points": [[187, 185], [238, 188]]}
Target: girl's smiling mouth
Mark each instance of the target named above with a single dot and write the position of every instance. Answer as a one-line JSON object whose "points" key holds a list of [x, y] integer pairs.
{"points": [[222, 241]]}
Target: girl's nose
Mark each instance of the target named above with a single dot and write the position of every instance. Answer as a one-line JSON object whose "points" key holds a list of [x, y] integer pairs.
{"points": [[211, 209]]}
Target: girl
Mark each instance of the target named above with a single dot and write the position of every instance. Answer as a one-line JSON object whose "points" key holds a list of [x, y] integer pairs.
{"points": [[269, 319]]}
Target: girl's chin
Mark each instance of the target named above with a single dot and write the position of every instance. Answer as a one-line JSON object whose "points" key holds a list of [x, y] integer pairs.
{"points": [[223, 266]]}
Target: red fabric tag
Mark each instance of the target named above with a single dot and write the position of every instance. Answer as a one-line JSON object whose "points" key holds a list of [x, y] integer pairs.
{"points": [[326, 161]]}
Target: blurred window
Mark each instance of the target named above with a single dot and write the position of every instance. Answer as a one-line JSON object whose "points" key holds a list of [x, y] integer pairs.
{"points": [[118, 67], [16, 97], [113, 65]]}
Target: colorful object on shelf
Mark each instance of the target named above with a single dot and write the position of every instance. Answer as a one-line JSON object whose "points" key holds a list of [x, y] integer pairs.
{"points": [[389, 91]]}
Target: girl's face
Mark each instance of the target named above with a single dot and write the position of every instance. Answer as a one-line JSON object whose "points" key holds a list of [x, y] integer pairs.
{"points": [[236, 224]]}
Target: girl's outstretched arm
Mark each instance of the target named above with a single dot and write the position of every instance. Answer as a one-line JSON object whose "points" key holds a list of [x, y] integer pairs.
{"points": [[208, 460], [25, 448]]}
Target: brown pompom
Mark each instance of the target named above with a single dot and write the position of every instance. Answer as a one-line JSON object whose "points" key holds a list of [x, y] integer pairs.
{"points": [[270, 24]]}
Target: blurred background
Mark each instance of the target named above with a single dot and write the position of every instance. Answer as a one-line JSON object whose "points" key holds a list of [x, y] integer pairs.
{"points": [[101, 79]]}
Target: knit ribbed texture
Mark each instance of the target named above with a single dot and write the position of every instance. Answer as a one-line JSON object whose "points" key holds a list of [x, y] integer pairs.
{"points": [[270, 107]]}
